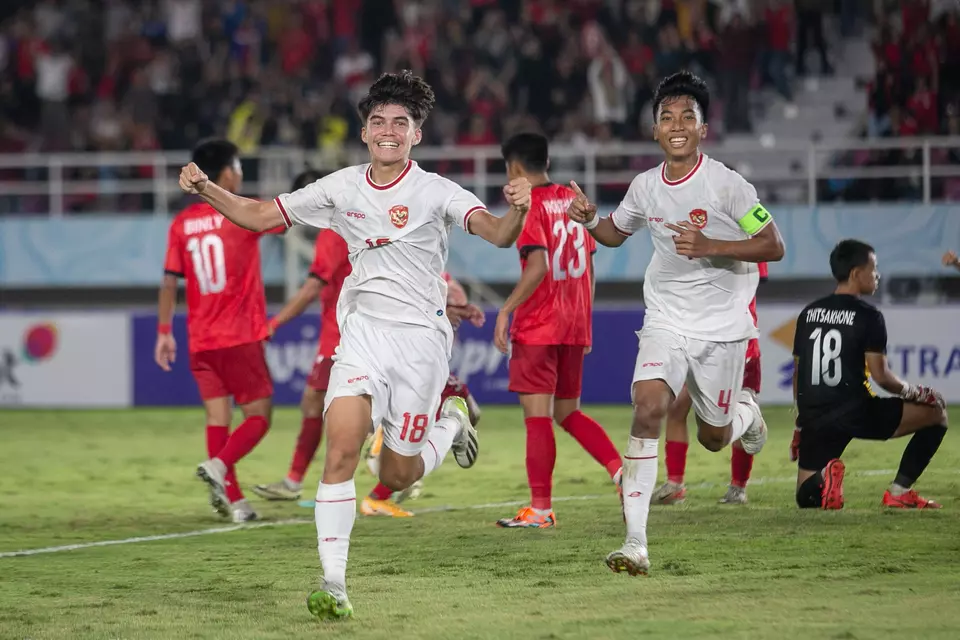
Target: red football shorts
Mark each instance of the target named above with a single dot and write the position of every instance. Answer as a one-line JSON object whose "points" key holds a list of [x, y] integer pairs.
{"points": [[319, 378], [453, 388], [555, 369], [751, 370], [239, 371]]}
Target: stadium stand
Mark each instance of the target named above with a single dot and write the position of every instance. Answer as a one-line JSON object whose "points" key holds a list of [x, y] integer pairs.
{"points": [[160, 74]]}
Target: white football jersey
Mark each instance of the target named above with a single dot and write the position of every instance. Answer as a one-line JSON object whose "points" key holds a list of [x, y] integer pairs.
{"points": [[397, 236], [705, 298]]}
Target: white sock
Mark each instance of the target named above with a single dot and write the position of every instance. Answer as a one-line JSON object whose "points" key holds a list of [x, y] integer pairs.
{"points": [[639, 479], [898, 490], [742, 419], [439, 441], [335, 512]]}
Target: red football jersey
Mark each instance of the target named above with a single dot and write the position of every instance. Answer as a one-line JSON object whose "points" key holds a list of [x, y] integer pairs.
{"points": [[559, 311], [753, 303], [330, 265], [220, 262]]}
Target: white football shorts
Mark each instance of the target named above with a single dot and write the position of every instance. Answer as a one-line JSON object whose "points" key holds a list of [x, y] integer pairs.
{"points": [[402, 368], [712, 371]]}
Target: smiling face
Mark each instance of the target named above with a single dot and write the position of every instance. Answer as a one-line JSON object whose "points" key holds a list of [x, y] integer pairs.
{"points": [[390, 133], [679, 127]]}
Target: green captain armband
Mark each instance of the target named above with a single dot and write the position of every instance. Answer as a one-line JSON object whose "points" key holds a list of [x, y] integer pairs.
{"points": [[754, 221]]}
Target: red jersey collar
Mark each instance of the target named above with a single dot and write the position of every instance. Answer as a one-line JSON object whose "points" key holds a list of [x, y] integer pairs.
{"points": [[396, 181], [674, 183]]}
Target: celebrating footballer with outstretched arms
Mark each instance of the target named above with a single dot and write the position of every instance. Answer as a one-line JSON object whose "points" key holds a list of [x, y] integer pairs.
{"points": [[395, 339]]}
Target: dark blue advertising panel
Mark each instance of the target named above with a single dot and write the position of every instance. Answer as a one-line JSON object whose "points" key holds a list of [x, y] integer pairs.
{"points": [[608, 369]]}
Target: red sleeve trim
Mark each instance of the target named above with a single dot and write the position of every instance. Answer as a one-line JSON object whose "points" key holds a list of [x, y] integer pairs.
{"points": [[283, 212], [466, 217], [619, 230]]}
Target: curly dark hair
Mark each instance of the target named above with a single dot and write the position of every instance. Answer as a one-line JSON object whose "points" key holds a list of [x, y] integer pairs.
{"points": [[404, 89], [683, 83]]}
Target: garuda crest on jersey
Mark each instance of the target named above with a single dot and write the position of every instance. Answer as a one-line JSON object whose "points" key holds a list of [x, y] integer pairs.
{"points": [[399, 215], [699, 218]]}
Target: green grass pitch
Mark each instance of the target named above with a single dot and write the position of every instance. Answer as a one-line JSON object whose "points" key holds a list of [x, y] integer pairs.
{"points": [[765, 570]]}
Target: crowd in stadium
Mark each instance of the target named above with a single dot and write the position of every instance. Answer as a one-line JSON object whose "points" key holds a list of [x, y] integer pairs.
{"points": [[163, 73], [915, 92], [917, 84]]}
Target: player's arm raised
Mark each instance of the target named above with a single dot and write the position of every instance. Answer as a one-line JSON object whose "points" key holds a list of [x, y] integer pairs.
{"points": [[583, 211], [503, 232], [243, 212]]}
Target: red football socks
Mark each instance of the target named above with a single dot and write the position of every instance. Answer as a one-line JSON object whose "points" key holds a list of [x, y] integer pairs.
{"points": [[741, 464], [676, 460], [311, 432], [594, 440], [243, 440], [217, 437], [541, 458], [381, 492]]}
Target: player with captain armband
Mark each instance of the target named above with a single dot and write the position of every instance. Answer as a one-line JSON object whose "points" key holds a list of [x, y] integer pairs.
{"points": [[709, 231]]}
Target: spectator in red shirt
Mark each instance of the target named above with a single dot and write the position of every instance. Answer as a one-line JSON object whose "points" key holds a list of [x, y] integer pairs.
{"points": [[636, 55], [923, 56], [779, 22], [922, 105], [296, 46]]}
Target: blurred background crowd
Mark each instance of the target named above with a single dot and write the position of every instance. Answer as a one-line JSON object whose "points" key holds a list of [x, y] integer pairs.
{"points": [[86, 75]]}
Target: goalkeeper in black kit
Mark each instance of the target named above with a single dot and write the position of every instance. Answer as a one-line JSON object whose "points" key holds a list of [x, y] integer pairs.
{"points": [[839, 339]]}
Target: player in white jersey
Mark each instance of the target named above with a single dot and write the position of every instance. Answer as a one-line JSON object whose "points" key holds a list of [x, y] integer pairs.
{"points": [[392, 361], [709, 231]]}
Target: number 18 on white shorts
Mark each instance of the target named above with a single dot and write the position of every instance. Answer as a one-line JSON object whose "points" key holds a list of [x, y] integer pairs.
{"points": [[403, 370], [712, 371]]}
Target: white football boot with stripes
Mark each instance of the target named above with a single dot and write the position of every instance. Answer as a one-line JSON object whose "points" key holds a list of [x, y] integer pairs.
{"points": [[465, 445]]}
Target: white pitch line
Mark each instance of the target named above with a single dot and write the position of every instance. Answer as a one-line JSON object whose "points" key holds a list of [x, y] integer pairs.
{"points": [[301, 521], [260, 525]]}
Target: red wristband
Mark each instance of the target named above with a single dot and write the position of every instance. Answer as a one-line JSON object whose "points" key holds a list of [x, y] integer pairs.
{"points": [[163, 328], [273, 324]]}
